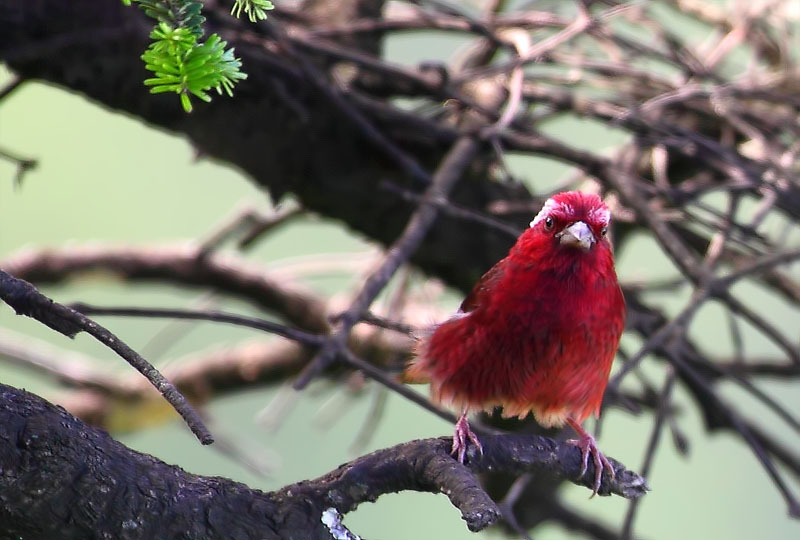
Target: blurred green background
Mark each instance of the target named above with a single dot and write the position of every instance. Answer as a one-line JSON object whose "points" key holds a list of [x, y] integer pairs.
{"points": [[93, 184]]}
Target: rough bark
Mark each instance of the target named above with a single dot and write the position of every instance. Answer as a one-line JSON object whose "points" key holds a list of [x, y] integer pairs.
{"points": [[688, 135], [64, 480], [278, 120]]}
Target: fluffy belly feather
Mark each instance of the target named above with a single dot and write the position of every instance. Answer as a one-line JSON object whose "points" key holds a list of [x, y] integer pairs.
{"points": [[551, 376]]}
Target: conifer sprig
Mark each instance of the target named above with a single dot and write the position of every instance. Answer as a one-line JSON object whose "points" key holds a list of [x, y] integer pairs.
{"points": [[178, 57]]}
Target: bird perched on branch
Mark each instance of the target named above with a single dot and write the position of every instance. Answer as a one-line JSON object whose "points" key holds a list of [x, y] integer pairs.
{"points": [[539, 331]]}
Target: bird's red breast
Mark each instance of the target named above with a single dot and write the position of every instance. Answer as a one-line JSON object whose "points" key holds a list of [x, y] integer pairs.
{"points": [[539, 331]]}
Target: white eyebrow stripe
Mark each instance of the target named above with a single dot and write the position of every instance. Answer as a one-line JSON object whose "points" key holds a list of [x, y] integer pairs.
{"points": [[603, 215], [549, 205], [599, 214]]}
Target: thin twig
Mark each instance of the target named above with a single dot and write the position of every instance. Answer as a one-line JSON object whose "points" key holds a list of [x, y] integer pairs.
{"points": [[652, 447], [294, 334], [12, 85], [23, 164], [290, 333], [454, 210], [448, 174], [27, 300]]}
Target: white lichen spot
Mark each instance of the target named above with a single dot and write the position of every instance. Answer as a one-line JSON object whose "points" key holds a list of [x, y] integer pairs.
{"points": [[332, 519]]}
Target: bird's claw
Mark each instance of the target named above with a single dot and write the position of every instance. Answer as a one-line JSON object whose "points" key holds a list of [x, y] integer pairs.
{"points": [[461, 435], [588, 445]]}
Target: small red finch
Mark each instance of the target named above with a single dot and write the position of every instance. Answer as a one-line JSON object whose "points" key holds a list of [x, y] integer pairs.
{"points": [[539, 331]]}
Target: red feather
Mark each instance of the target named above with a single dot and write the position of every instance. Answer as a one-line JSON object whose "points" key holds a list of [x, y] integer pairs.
{"points": [[539, 331]]}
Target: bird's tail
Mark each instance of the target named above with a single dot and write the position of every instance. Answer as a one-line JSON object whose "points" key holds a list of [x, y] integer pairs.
{"points": [[417, 371], [414, 374]]}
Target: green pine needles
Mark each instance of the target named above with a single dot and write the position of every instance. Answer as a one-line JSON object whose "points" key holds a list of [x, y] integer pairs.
{"points": [[256, 10], [183, 65], [181, 61], [176, 13]]}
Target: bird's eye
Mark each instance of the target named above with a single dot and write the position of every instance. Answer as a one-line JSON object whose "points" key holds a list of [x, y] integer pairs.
{"points": [[548, 223], [603, 231]]}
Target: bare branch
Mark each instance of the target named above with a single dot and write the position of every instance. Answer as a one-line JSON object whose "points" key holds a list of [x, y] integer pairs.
{"points": [[50, 440], [182, 265], [445, 178], [26, 300]]}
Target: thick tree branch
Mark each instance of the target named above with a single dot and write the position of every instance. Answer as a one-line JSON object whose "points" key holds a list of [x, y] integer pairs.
{"points": [[279, 113], [318, 86], [95, 486]]}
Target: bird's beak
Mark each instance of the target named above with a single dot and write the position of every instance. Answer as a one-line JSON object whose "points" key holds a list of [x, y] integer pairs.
{"points": [[578, 235]]}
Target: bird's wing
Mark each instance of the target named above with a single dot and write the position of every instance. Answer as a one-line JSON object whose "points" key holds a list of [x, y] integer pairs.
{"points": [[481, 290]]}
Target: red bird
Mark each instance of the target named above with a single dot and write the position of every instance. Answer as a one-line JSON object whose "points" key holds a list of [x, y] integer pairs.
{"points": [[539, 331]]}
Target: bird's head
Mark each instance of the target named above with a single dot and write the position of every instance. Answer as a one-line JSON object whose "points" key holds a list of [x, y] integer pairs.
{"points": [[573, 219]]}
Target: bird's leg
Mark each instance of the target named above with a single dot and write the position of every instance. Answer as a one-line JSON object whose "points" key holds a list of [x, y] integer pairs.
{"points": [[588, 445], [461, 435]]}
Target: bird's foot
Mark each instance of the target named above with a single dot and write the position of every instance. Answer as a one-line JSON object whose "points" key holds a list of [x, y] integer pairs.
{"points": [[461, 436], [588, 445]]}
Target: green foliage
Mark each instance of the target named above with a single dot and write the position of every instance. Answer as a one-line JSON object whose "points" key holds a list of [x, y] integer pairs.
{"points": [[256, 9], [176, 13], [185, 66], [181, 61]]}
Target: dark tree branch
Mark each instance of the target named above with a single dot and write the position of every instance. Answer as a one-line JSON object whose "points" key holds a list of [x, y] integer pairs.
{"points": [[183, 265], [698, 132], [294, 334], [306, 339], [95, 486], [26, 300], [449, 173], [337, 183], [24, 165], [652, 447], [218, 373]]}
